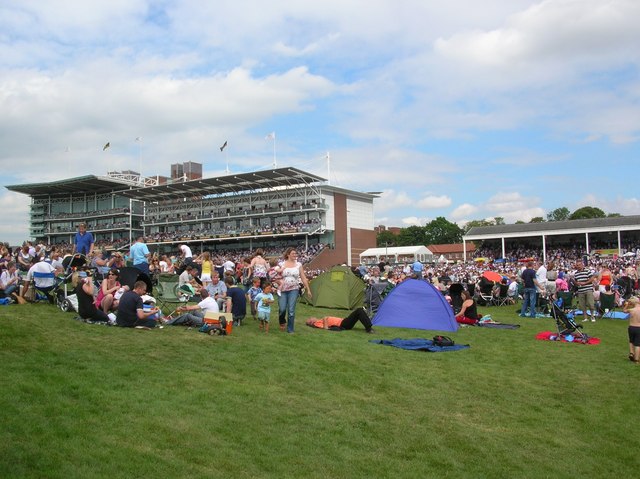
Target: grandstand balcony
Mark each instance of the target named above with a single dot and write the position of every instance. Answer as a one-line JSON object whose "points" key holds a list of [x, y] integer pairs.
{"points": [[186, 216]]}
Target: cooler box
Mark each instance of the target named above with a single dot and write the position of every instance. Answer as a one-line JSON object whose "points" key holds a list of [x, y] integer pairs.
{"points": [[214, 319]]}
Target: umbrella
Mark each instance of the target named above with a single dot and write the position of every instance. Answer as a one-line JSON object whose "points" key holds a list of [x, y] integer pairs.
{"points": [[492, 276]]}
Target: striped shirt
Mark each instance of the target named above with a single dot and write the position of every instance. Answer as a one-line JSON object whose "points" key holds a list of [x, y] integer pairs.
{"points": [[580, 277]]}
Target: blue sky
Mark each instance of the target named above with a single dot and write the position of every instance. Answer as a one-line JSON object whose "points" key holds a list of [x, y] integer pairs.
{"points": [[462, 109]]}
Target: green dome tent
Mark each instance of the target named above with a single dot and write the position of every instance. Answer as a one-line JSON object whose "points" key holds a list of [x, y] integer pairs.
{"points": [[337, 288]]}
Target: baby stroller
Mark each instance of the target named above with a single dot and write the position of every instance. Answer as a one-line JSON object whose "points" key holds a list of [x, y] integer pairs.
{"points": [[566, 324], [373, 296], [455, 292], [71, 264]]}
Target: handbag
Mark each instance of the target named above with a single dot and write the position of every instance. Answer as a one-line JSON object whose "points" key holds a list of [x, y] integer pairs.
{"points": [[443, 341]]}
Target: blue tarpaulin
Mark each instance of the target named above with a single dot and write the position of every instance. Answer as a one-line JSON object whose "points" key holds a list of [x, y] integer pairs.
{"points": [[419, 344]]}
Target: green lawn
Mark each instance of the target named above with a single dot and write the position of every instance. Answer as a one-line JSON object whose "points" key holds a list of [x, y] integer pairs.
{"points": [[80, 401]]}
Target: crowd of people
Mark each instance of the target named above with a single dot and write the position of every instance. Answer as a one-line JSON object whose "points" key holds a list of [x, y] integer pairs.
{"points": [[229, 280], [231, 231]]}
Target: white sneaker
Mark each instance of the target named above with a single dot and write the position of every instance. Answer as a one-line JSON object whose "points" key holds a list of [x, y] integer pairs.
{"points": [[593, 320], [585, 320]]}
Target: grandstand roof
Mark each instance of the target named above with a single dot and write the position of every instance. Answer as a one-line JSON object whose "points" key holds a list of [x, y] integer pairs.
{"points": [[79, 184], [241, 182], [555, 227]]}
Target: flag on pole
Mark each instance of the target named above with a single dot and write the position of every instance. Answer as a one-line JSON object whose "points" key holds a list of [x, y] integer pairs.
{"points": [[271, 136], [223, 146], [106, 146]]}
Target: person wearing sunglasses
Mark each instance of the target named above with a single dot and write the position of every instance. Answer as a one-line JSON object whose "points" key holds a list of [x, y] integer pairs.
{"points": [[106, 298]]}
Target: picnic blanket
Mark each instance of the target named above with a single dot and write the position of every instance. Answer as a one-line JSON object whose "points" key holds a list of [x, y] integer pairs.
{"points": [[549, 336], [419, 344], [498, 325], [609, 315]]}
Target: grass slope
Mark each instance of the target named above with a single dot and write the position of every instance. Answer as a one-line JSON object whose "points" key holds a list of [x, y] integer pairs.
{"points": [[79, 400]]}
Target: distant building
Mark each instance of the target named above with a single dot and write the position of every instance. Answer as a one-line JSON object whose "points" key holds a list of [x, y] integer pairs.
{"points": [[391, 229], [452, 252], [189, 170], [262, 209]]}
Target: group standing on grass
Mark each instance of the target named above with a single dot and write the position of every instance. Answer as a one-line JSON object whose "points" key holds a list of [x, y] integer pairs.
{"points": [[222, 282]]}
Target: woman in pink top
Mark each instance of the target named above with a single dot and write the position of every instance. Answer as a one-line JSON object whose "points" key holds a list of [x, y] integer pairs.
{"points": [[292, 276]]}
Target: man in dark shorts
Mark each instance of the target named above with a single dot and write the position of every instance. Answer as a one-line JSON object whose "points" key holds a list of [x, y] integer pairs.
{"points": [[632, 306], [236, 300], [131, 313]]}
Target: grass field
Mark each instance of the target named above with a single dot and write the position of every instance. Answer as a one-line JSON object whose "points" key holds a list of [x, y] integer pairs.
{"points": [[81, 401]]}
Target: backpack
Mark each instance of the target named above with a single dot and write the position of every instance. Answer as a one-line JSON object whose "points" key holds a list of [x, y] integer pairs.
{"points": [[443, 341]]}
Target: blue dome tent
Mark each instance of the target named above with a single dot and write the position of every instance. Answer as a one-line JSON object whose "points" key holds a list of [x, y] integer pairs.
{"points": [[415, 304]]}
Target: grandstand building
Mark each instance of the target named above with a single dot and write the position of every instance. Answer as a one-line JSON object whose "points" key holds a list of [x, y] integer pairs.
{"points": [[263, 209], [613, 236], [58, 207]]}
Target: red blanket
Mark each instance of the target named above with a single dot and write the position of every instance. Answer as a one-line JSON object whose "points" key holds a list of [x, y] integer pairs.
{"points": [[546, 336]]}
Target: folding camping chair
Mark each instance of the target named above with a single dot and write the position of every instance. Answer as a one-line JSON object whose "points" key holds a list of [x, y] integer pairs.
{"points": [[45, 293], [485, 298], [565, 322], [607, 305], [502, 299], [167, 293]]}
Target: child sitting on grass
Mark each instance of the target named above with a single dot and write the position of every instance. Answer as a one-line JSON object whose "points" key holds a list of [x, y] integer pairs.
{"points": [[265, 300], [252, 292], [632, 306]]}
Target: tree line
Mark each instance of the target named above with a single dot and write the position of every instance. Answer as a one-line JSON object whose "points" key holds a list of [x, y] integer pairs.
{"points": [[442, 231]]}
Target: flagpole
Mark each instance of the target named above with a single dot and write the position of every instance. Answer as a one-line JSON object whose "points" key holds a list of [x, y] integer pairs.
{"points": [[328, 168], [139, 141], [223, 149], [275, 163]]}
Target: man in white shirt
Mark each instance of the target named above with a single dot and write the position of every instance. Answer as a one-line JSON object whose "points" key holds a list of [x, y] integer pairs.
{"points": [[42, 275], [194, 314], [9, 279], [187, 255], [541, 276], [229, 266]]}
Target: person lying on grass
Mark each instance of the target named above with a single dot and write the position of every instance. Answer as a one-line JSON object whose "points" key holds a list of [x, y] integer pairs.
{"points": [[632, 306], [336, 324]]}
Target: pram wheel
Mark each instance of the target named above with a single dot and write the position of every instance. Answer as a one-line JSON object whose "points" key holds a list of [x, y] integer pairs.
{"points": [[65, 305]]}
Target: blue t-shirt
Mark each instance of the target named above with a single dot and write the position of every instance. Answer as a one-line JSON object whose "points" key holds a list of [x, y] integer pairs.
{"points": [[417, 267], [138, 253], [84, 242], [262, 307]]}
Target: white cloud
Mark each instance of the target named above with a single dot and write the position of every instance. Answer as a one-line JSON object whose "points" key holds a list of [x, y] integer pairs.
{"points": [[14, 221], [414, 221], [465, 209], [552, 30], [433, 202], [390, 200], [621, 205]]}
